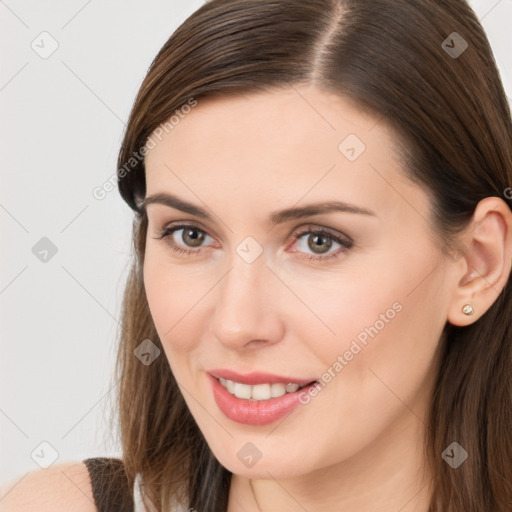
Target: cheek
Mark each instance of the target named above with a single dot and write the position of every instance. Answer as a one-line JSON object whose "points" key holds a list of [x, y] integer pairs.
{"points": [[384, 319], [350, 303], [158, 293], [378, 368], [388, 339], [174, 296]]}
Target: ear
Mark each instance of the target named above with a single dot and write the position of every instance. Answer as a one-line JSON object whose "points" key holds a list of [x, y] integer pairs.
{"points": [[485, 261]]}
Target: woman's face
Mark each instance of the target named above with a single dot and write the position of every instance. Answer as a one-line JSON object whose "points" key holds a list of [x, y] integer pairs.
{"points": [[267, 279]]}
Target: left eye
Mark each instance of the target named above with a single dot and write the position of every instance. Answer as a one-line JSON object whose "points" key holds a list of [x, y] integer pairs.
{"points": [[319, 241]]}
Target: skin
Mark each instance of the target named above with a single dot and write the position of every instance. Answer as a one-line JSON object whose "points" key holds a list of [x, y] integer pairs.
{"points": [[357, 445]]}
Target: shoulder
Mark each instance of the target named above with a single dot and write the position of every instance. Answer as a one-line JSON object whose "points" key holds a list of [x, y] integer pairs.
{"points": [[61, 487]]}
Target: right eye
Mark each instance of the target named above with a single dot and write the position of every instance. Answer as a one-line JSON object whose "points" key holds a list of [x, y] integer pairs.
{"points": [[184, 238]]}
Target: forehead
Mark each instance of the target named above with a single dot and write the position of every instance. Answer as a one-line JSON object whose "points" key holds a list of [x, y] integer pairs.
{"points": [[277, 146], [297, 117]]}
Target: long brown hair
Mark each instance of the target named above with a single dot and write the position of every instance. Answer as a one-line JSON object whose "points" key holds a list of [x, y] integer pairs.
{"points": [[449, 109]]}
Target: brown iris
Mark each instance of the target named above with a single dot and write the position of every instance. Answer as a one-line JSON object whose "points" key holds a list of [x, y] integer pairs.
{"points": [[193, 237], [319, 242]]}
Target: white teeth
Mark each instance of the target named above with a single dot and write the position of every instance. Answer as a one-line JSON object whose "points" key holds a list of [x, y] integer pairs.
{"points": [[277, 390], [258, 391], [242, 390], [230, 385]]}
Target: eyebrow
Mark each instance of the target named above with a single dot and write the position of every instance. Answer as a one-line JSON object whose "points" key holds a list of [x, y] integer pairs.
{"points": [[277, 217]]}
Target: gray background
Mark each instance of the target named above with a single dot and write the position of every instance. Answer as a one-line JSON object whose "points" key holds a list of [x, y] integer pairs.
{"points": [[62, 121]]}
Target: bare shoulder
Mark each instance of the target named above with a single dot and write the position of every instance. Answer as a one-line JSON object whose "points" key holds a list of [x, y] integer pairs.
{"points": [[61, 487]]}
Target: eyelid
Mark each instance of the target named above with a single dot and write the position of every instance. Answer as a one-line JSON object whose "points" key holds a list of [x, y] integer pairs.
{"points": [[336, 235], [185, 224]]}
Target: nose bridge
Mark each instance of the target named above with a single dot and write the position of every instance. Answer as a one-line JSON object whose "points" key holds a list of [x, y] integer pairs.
{"points": [[245, 310]]}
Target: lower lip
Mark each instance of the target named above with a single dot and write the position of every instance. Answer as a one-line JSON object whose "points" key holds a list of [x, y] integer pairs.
{"points": [[254, 412]]}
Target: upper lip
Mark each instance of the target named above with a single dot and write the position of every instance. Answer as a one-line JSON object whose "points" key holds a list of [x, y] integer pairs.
{"points": [[257, 377]]}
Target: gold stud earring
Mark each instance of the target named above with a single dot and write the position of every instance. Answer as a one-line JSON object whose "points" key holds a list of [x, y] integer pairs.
{"points": [[467, 309]]}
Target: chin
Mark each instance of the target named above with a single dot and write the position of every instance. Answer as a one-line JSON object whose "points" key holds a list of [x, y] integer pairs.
{"points": [[275, 466]]}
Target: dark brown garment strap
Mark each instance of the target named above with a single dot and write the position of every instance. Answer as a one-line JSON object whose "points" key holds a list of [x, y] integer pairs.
{"points": [[110, 486]]}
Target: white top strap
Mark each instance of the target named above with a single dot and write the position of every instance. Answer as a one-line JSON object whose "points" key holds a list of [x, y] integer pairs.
{"points": [[137, 496]]}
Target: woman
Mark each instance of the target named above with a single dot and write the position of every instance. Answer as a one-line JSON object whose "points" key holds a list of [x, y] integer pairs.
{"points": [[318, 315]]}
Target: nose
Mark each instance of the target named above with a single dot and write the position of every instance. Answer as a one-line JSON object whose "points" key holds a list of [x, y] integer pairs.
{"points": [[247, 314]]}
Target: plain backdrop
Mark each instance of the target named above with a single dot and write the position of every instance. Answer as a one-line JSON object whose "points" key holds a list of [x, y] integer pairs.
{"points": [[68, 78]]}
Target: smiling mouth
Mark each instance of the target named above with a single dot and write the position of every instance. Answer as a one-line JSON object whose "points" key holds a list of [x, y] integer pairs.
{"points": [[261, 392]]}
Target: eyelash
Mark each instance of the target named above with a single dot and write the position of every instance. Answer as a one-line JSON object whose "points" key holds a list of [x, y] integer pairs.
{"points": [[346, 244]]}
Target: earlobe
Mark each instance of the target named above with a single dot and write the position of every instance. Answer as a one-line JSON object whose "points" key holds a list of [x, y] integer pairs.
{"points": [[486, 263]]}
